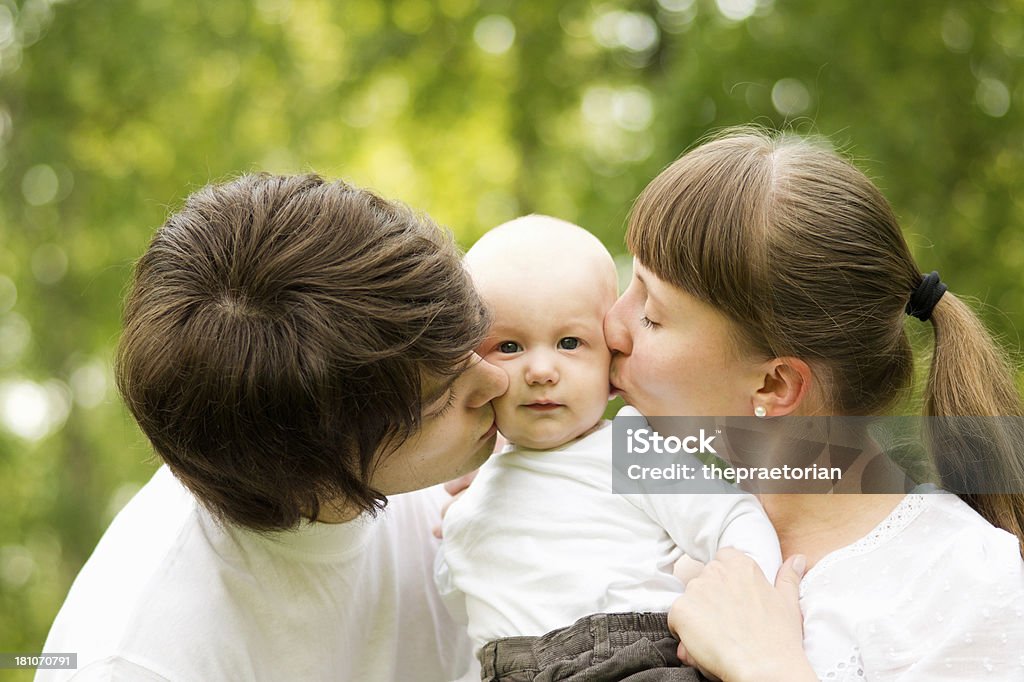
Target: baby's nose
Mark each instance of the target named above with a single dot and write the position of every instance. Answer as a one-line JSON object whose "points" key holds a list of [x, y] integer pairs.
{"points": [[541, 370]]}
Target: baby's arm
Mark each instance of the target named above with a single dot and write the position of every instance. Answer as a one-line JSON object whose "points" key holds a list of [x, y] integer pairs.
{"points": [[453, 598], [701, 524], [748, 529]]}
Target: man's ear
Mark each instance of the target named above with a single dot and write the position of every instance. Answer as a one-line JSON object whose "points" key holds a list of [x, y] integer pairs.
{"points": [[785, 385]]}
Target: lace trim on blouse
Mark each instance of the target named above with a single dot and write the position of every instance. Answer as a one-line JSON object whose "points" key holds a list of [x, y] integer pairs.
{"points": [[909, 508], [850, 670]]}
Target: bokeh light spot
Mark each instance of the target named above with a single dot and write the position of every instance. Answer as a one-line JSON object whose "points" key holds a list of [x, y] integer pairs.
{"points": [[736, 10], [89, 383], [49, 263], [993, 97], [6, 125], [494, 34], [7, 34], [790, 97], [15, 334], [633, 31], [413, 16], [633, 108], [32, 411], [39, 185], [16, 565], [274, 11], [676, 5], [8, 294], [628, 108], [957, 34]]}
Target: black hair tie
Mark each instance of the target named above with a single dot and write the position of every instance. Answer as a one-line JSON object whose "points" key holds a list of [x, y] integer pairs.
{"points": [[922, 301]]}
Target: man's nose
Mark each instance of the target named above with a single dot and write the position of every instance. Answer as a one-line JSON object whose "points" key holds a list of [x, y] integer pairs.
{"points": [[489, 382]]}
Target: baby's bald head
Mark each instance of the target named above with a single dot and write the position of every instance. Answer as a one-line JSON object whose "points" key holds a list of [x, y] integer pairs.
{"points": [[535, 249], [549, 284]]}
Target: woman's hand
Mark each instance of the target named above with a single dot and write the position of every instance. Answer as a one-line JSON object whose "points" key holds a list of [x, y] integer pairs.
{"points": [[734, 625]]}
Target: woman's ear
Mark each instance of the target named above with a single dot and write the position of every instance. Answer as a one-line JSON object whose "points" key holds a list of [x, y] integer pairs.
{"points": [[785, 385]]}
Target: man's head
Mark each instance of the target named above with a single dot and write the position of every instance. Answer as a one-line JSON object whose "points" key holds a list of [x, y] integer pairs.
{"points": [[548, 284], [286, 340]]}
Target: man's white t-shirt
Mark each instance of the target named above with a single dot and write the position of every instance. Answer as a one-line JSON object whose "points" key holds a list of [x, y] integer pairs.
{"points": [[171, 594]]}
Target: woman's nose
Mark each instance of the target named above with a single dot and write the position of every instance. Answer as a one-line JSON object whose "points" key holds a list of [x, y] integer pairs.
{"points": [[489, 382], [617, 333]]}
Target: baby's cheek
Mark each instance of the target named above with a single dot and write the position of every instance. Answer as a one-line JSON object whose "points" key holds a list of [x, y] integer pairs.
{"points": [[504, 414], [601, 378]]}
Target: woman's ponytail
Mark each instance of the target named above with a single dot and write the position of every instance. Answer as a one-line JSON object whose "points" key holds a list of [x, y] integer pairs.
{"points": [[970, 386]]}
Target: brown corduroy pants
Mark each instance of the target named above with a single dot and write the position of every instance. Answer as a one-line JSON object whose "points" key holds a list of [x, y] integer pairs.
{"points": [[604, 647]]}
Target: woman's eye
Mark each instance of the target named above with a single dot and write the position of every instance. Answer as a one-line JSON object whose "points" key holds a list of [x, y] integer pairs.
{"points": [[509, 347], [569, 343], [647, 322]]}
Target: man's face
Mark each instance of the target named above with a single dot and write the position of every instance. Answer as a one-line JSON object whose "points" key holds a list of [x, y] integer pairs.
{"points": [[456, 436]]}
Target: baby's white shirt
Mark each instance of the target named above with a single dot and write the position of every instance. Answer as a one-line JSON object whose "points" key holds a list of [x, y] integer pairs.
{"points": [[539, 540]]}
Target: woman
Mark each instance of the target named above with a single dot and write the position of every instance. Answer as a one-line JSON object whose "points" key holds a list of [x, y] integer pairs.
{"points": [[771, 278]]}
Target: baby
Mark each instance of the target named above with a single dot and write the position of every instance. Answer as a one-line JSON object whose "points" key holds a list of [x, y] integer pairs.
{"points": [[539, 539]]}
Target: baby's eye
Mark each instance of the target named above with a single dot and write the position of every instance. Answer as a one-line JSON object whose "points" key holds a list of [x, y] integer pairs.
{"points": [[569, 343], [647, 322], [509, 347]]}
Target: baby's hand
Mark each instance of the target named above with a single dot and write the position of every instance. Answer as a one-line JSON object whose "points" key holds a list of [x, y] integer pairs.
{"points": [[455, 488], [686, 569], [499, 443]]}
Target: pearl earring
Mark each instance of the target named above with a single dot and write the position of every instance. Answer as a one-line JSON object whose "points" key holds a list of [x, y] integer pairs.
{"points": [[760, 411]]}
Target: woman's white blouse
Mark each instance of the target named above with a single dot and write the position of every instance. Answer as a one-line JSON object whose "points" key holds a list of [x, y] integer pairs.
{"points": [[933, 593]]}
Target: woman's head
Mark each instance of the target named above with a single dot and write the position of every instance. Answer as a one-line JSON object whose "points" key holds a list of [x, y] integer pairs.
{"points": [[784, 277], [797, 249]]}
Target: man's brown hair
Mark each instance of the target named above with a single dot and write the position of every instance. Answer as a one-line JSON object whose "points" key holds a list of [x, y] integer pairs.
{"points": [[278, 335]]}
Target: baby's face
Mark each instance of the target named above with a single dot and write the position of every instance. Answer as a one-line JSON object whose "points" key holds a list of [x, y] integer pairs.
{"points": [[548, 336]]}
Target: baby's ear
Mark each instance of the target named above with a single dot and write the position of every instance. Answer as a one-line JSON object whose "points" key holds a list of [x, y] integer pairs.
{"points": [[787, 382]]}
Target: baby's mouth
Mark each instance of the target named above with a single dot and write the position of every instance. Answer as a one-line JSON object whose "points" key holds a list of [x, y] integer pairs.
{"points": [[543, 405]]}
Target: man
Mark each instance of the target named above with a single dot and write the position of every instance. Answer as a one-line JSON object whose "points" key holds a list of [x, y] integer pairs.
{"points": [[299, 354]]}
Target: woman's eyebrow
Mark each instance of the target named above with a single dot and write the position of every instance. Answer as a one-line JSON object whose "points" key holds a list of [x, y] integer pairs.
{"points": [[640, 278], [648, 293]]}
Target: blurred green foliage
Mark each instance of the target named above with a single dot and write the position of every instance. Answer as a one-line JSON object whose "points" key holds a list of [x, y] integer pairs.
{"points": [[472, 110]]}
